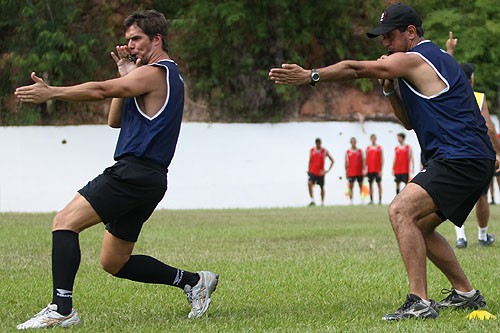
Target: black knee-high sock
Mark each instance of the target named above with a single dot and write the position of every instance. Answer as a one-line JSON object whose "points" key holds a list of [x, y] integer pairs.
{"points": [[147, 269], [65, 262]]}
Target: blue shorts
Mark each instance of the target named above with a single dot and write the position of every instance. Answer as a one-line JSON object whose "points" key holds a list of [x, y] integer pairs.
{"points": [[126, 194]]}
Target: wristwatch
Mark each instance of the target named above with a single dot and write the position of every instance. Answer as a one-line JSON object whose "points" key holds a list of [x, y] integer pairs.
{"points": [[314, 77]]}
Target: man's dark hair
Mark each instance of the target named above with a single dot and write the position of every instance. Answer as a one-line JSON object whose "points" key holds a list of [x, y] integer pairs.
{"points": [[152, 22], [402, 135], [420, 30]]}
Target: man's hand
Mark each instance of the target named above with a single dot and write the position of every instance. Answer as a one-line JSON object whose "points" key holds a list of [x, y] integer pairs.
{"points": [[451, 44], [39, 92], [290, 74], [387, 84], [124, 61]]}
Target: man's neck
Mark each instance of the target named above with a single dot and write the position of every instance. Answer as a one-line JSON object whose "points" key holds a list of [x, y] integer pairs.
{"points": [[415, 42], [158, 56]]}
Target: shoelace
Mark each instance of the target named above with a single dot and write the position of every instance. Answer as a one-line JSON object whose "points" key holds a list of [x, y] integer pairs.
{"points": [[447, 291], [189, 295], [409, 301], [45, 310]]}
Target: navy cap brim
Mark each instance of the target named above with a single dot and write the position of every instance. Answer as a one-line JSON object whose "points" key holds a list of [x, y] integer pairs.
{"points": [[380, 30]]}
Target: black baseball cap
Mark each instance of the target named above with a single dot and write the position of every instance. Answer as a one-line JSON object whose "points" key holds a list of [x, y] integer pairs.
{"points": [[468, 68], [395, 16]]}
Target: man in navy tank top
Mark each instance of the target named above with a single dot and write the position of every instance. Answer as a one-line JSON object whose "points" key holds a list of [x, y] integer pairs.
{"points": [[147, 106], [432, 96]]}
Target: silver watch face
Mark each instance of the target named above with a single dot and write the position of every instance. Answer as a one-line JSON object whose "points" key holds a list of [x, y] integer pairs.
{"points": [[315, 76]]}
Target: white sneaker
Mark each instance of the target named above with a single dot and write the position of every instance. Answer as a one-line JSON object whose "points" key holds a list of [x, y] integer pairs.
{"points": [[199, 295], [49, 317]]}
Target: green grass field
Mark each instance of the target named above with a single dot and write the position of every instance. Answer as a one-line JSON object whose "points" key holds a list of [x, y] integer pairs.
{"points": [[322, 269]]}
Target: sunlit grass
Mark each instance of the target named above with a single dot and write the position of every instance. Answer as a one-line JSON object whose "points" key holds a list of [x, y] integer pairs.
{"points": [[321, 269]]}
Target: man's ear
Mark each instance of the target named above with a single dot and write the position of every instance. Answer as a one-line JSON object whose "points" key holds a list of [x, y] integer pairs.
{"points": [[157, 39], [412, 32]]}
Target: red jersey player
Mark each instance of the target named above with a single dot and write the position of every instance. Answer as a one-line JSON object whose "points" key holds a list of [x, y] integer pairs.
{"points": [[316, 170], [354, 165], [403, 157], [374, 164]]}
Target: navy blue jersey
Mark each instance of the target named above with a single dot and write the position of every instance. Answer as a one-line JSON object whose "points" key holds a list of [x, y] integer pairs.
{"points": [[153, 138], [449, 124]]}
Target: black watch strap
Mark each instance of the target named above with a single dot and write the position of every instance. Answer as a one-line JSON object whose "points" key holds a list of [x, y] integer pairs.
{"points": [[314, 77]]}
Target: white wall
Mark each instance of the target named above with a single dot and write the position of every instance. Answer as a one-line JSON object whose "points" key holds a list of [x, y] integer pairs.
{"points": [[215, 166]]}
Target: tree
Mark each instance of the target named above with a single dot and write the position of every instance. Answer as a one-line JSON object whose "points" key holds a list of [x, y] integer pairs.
{"points": [[228, 47], [65, 41], [477, 26]]}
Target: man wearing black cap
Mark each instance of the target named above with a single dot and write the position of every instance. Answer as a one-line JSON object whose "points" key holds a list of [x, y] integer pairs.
{"points": [[431, 96]]}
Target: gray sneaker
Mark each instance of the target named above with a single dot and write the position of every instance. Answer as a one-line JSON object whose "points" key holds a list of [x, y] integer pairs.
{"points": [[461, 243], [199, 295], [49, 318], [490, 239], [413, 308], [456, 301]]}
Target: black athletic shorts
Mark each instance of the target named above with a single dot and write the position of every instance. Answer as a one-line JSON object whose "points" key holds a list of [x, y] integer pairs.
{"points": [[373, 176], [359, 179], [320, 180], [455, 185], [401, 178], [126, 194], [485, 192]]}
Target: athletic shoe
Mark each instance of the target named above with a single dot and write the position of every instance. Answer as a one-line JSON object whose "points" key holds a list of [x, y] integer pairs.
{"points": [[457, 301], [413, 307], [199, 295], [312, 204], [461, 243], [49, 318], [490, 239]]}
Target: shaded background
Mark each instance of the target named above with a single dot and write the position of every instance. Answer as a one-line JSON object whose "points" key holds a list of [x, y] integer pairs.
{"points": [[225, 49]]}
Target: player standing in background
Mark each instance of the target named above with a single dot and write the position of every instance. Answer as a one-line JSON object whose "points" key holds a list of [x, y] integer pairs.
{"points": [[496, 179], [316, 170], [148, 105], [430, 95], [403, 160], [482, 207], [374, 165], [354, 166]]}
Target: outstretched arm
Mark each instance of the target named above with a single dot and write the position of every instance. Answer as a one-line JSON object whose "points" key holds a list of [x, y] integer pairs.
{"points": [[136, 83], [386, 68]]}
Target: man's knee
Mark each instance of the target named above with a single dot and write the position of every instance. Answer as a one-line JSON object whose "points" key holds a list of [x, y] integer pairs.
{"points": [[395, 210], [60, 221], [112, 264]]}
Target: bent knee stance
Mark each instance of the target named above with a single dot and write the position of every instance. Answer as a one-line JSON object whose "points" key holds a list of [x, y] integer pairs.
{"points": [[399, 215], [113, 265], [60, 222]]}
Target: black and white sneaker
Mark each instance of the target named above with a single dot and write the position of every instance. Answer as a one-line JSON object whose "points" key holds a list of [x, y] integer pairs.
{"points": [[490, 239], [413, 308], [457, 301]]}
